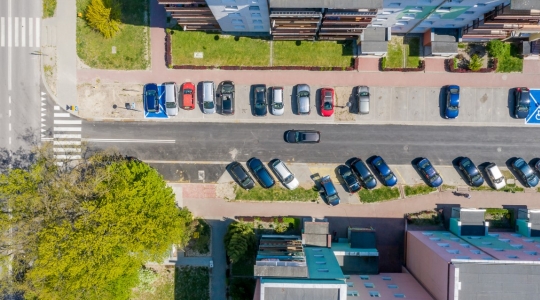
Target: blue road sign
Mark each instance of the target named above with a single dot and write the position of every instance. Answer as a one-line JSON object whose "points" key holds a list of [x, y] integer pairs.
{"points": [[161, 114], [534, 108]]}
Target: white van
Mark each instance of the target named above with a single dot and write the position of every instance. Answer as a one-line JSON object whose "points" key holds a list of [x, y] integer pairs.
{"points": [[208, 98], [276, 106], [495, 176], [171, 103]]}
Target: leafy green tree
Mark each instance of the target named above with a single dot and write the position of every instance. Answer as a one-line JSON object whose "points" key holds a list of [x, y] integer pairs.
{"points": [[476, 63], [84, 232], [104, 16], [239, 239], [496, 48]]}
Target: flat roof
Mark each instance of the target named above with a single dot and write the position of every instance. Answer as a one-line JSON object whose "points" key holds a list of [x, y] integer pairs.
{"points": [[322, 264], [344, 248], [337, 4], [525, 4]]}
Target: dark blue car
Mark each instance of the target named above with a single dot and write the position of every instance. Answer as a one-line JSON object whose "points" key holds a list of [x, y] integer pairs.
{"points": [[522, 102], [525, 172], [363, 173], [330, 191], [428, 171], [151, 98], [262, 175], [471, 172], [259, 100], [385, 174], [352, 183], [452, 102]]}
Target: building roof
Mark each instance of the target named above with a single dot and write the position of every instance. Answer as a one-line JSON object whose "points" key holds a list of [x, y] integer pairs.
{"points": [[362, 238], [322, 264], [472, 217], [444, 41], [316, 228], [318, 240], [337, 4], [345, 249], [525, 4]]}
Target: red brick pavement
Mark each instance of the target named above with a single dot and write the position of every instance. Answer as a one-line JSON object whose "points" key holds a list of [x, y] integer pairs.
{"points": [[198, 191], [434, 64]]}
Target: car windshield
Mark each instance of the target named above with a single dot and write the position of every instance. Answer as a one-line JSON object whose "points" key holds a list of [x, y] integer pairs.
{"points": [[303, 94], [454, 91], [208, 104], [451, 107], [531, 177], [151, 93], [364, 94], [227, 88], [170, 105], [327, 105], [288, 179], [425, 165], [333, 198], [523, 107], [476, 177], [257, 168], [188, 91], [368, 179], [278, 105], [227, 103], [388, 177], [246, 181], [434, 178], [260, 104]]}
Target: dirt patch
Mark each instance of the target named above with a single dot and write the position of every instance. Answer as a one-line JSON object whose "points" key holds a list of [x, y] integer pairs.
{"points": [[465, 54], [97, 100], [226, 191], [49, 66], [342, 112]]}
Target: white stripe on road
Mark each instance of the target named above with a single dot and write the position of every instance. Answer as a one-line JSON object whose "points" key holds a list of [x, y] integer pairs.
{"points": [[30, 32], [130, 141], [62, 115], [9, 34], [64, 150], [56, 107], [60, 143], [67, 136], [16, 27], [38, 42], [67, 129], [2, 32], [68, 122], [67, 156], [23, 32]]}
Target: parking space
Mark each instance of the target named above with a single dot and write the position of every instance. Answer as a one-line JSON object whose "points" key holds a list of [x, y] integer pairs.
{"points": [[160, 113], [534, 110]]}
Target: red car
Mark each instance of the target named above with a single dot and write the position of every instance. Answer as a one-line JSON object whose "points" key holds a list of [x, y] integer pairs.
{"points": [[187, 94], [327, 102]]}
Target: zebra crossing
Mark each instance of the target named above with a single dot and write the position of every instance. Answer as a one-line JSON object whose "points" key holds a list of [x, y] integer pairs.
{"points": [[66, 135], [19, 32]]}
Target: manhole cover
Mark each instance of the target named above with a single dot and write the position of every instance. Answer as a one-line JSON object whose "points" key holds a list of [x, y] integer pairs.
{"points": [[201, 174]]}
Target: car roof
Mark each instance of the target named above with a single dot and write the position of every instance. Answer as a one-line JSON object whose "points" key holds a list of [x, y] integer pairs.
{"points": [[495, 171], [361, 168], [328, 185], [239, 170], [310, 136], [280, 167], [302, 87], [303, 104]]}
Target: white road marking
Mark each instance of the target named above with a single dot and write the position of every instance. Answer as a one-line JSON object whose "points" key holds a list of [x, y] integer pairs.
{"points": [[46, 138], [67, 150], [9, 34], [9, 111], [62, 115], [38, 28], [67, 156], [56, 107], [130, 141], [60, 143], [9, 99], [68, 122], [23, 32], [2, 32], [67, 136], [10, 140], [66, 128], [9, 126], [30, 32], [16, 27]]}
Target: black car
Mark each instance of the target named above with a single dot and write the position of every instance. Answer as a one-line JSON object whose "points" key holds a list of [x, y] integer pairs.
{"points": [[302, 136], [470, 171], [363, 173], [522, 102], [241, 175], [427, 170], [262, 175], [227, 97], [520, 166], [352, 183], [259, 100]]}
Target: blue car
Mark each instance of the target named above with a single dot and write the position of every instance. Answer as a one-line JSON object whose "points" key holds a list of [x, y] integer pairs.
{"points": [[428, 171], [387, 176], [525, 172], [330, 190], [363, 173], [151, 98], [452, 102], [353, 185], [262, 175], [471, 172]]}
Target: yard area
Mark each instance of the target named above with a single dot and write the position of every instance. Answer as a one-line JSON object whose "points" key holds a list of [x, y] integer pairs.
{"points": [[191, 283], [507, 55], [403, 52], [199, 244], [380, 194], [155, 285], [226, 50], [276, 194], [420, 189], [131, 42]]}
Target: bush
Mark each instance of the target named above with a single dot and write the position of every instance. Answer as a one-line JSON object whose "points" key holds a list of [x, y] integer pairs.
{"points": [[49, 6], [104, 16], [456, 63], [496, 48], [476, 63]]}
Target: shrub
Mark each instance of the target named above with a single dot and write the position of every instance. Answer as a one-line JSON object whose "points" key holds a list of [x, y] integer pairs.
{"points": [[476, 63], [456, 61], [496, 48], [104, 16]]}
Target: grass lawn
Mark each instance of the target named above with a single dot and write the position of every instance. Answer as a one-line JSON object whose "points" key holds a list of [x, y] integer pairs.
{"points": [[400, 48], [508, 188], [412, 51], [381, 194], [48, 8], [446, 187], [394, 56], [276, 194], [160, 288], [218, 50], [131, 42], [420, 189], [308, 53], [507, 55], [191, 283]]}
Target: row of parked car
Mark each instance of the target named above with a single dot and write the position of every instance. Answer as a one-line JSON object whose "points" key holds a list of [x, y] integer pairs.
{"points": [[265, 98], [355, 174]]}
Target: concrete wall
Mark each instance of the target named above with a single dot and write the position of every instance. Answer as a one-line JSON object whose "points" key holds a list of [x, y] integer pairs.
{"points": [[241, 15]]}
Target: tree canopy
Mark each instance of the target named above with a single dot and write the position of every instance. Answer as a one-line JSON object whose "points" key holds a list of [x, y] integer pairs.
{"points": [[104, 16], [238, 240], [84, 232]]}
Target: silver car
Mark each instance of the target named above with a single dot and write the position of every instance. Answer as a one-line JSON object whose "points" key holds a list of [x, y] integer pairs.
{"points": [[208, 98], [363, 99], [302, 98], [277, 105]]}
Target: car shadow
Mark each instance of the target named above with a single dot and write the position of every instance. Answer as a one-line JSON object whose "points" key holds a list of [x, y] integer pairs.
{"points": [[199, 96], [294, 100], [511, 169], [354, 108], [219, 102], [318, 101], [482, 168], [442, 101], [455, 164], [228, 168], [512, 103], [251, 99], [340, 180]]}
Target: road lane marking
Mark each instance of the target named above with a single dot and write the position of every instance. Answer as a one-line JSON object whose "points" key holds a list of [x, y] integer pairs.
{"points": [[30, 32], [9, 99], [2, 32], [66, 128], [56, 107], [67, 150], [68, 143], [9, 112], [10, 140], [130, 141], [9, 126], [67, 136], [9, 34], [67, 156], [23, 32], [62, 115], [16, 27], [38, 42], [68, 122]]}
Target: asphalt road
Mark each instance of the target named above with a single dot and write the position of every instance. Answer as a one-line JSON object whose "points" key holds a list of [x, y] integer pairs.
{"points": [[211, 142], [19, 74]]}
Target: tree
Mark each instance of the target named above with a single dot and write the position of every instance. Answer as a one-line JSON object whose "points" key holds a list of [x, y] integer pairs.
{"points": [[239, 239], [85, 232], [104, 16], [496, 48], [476, 63]]}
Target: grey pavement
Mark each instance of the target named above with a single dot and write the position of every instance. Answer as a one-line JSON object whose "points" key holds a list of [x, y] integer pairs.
{"points": [[218, 282]]}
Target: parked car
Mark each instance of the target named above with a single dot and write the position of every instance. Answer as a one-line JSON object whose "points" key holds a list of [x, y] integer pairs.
{"points": [[329, 191], [209, 100], [362, 95], [452, 102], [327, 102], [188, 96], [302, 99], [525, 172], [277, 106], [522, 101], [495, 175], [388, 177], [283, 174], [302, 136], [241, 175], [259, 100], [470, 171], [537, 166], [171, 107], [352, 183], [428, 171], [151, 98], [226, 94], [260, 172], [363, 173]]}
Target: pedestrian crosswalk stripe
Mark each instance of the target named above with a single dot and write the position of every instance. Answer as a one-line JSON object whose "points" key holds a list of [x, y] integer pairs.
{"points": [[67, 136], [2, 32], [67, 157], [9, 33], [16, 26], [38, 42], [23, 32], [62, 115], [20, 32], [67, 150], [60, 143], [68, 122], [30, 33], [56, 107], [67, 129]]}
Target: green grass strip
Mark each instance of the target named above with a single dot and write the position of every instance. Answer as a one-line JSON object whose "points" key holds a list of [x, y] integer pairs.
{"points": [[376, 195], [421, 189], [276, 194]]}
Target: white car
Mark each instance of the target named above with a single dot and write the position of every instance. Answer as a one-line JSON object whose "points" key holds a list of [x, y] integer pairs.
{"points": [[277, 105], [495, 176], [286, 177]]}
